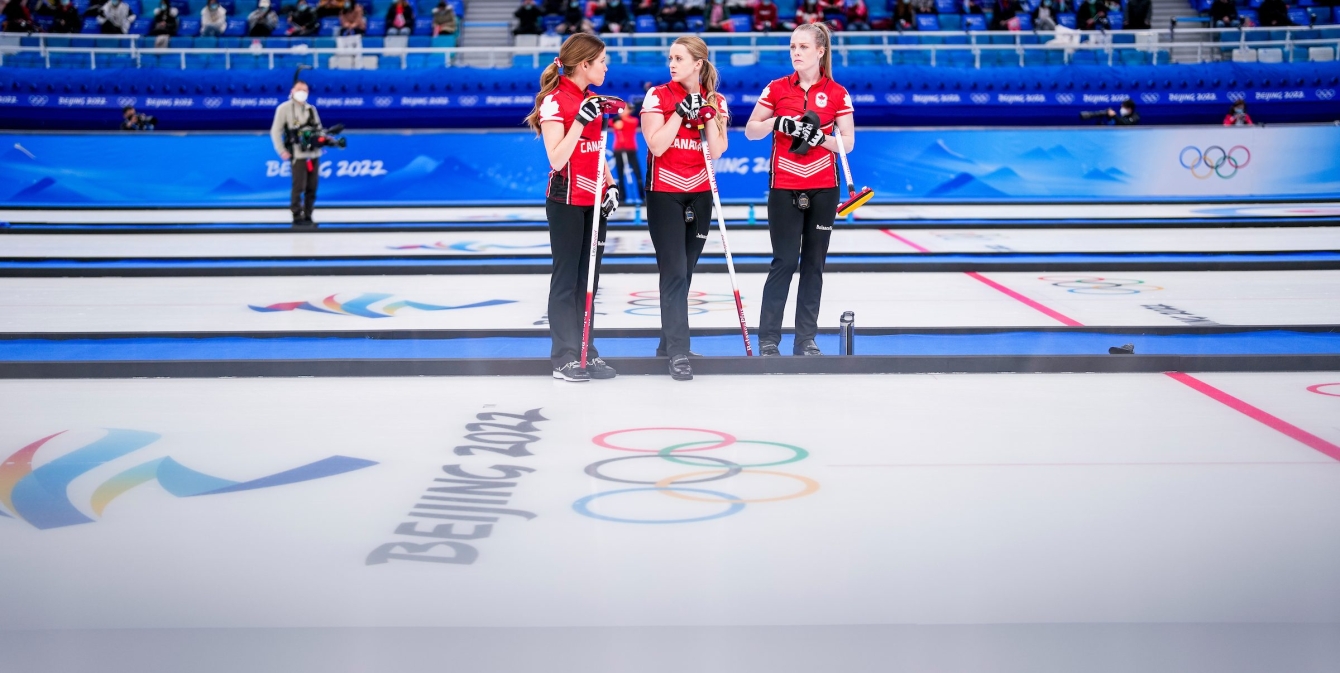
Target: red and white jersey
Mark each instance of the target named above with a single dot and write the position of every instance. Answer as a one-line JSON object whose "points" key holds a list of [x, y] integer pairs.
{"points": [[680, 168], [816, 169], [574, 184]]}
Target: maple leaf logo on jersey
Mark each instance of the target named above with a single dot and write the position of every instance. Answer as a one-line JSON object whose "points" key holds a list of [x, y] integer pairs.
{"points": [[764, 95], [549, 109], [652, 102], [846, 102]]}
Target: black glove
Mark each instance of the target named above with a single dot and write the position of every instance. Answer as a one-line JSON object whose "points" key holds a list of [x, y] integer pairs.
{"points": [[588, 112], [688, 108], [786, 125], [817, 138], [611, 202], [805, 137]]}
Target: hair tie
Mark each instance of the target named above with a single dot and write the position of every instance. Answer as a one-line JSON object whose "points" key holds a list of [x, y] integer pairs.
{"points": [[558, 62]]}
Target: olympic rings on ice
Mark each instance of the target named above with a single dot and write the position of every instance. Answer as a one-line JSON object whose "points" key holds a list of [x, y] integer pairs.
{"points": [[1099, 285], [683, 486], [1214, 160], [648, 303]]}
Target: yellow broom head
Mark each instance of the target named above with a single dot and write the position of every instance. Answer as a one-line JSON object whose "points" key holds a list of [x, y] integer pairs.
{"points": [[850, 205]]}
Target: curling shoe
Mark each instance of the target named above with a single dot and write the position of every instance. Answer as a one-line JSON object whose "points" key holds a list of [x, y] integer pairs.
{"points": [[806, 347], [573, 372], [680, 369], [768, 349], [599, 369]]}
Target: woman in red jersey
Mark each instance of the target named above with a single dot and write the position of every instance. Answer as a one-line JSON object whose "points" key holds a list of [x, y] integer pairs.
{"points": [[679, 198], [562, 116], [799, 112]]}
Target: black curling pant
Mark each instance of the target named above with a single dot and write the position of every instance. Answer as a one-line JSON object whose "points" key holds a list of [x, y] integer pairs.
{"points": [[629, 158], [799, 238], [678, 245], [570, 244]]}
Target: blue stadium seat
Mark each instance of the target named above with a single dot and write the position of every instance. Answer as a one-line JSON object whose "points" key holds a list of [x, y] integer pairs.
{"points": [[950, 22], [90, 25], [183, 7], [696, 25], [205, 42], [423, 25], [441, 41], [645, 24], [1025, 21], [960, 59], [1118, 20], [598, 22], [229, 42], [1087, 57], [188, 25], [974, 22], [928, 22], [377, 25], [1133, 57], [1067, 20], [236, 27], [1299, 16], [330, 25], [421, 41], [141, 25]]}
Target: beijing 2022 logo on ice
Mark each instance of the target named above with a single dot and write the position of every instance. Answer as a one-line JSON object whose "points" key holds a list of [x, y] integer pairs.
{"points": [[367, 305], [698, 487], [40, 496]]}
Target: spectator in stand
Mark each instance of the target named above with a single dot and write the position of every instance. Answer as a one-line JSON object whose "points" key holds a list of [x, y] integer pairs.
{"points": [[1086, 17], [262, 21], [1224, 14], [213, 19], [809, 12], [16, 18], [164, 24], [858, 15], [352, 21], [45, 7], [717, 19], [923, 6], [399, 18], [554, 7], [672, 18], [1002, 16], [625, 152], [528, 19], [302, 21], [325, 8], [1274, 13], [972, 7], [904, 17], [116, 18], [1237, 115], [445, 21], [1138, 14], [694, 7], [645, 8], [574, 19], [617, 20], [1044, 15], [67, 19], [765, 16], [133, 121]]}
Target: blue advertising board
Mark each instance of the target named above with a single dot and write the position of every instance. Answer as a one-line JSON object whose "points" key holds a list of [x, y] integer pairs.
{"points": [[1114, 164]]}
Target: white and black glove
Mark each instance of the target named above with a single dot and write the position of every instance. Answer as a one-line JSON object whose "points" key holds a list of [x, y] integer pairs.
{"points": [[611, 202], [809, 134], [786, 125], [816, 138], [688, 108], [588, 112]]}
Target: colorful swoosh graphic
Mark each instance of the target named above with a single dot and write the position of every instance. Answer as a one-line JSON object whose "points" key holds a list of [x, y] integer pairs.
{"points": [[362, 306], [468, 246], [39, 496]]}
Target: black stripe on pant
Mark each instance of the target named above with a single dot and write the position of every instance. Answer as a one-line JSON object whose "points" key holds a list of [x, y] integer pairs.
{"points": [[678, 245], [569, 242], [799, 238]]}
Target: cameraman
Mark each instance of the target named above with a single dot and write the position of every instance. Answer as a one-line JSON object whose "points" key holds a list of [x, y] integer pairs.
{"points": [[1122, 116], [133, 121], [291, 115]]}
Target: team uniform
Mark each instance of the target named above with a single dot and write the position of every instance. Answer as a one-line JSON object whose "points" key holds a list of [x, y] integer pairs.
{"points": [[625, 154], [679, 213], [571, 196], [800, 235]]}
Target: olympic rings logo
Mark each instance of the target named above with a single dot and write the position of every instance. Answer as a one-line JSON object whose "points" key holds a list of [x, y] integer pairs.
{"points": [[648, 303], [1099, 285], [684, 486], [1318, 389], [1214, 160]]}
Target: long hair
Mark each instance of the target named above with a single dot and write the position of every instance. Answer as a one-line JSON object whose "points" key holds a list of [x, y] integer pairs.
{"points": [[576, 50], [823, 39], [708, 78]]}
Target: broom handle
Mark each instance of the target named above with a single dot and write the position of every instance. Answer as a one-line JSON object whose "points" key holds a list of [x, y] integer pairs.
{"points": [[842, 152]]}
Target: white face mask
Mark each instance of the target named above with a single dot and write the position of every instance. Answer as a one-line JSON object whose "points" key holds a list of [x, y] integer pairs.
{"points": [[300, 96]]}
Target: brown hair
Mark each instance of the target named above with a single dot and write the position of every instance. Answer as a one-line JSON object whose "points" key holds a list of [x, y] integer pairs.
{"points": [[823, 39], [576, 50], [708, 78]]}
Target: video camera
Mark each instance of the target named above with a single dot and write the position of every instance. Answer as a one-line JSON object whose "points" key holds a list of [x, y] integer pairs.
{"points": [[1094, 114], [309, 138]]}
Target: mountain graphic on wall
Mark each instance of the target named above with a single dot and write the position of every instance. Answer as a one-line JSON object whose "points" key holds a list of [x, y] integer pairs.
{"points": [[48, 190], [1107, 175], [964, 184], [233, 186], [939, 154], [1008, 181]]}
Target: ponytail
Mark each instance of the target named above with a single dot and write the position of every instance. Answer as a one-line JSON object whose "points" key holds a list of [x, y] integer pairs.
{"points": [[576, 50]]}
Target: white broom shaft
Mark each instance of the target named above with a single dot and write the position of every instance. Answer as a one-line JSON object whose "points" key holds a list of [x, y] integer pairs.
{"points": [[725, 242], [595, 242], [842, 152]]}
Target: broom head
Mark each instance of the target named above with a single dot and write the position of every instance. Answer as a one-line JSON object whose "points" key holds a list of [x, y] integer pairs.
{"points": [[856, 201]]}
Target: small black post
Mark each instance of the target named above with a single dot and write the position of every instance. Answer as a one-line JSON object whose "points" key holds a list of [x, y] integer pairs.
{"points": [[847, 334]]}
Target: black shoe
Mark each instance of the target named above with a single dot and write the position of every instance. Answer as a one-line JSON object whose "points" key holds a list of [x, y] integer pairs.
{"points": [[805, 347], [598, 369], [768, 349], [572, 371], [1128, 349], [660, 353], [680, 369]]}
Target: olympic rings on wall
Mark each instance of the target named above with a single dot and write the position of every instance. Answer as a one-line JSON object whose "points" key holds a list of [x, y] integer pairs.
{"points": [[648, 303], [683, 485], [1214, 160], [1099, 285]]}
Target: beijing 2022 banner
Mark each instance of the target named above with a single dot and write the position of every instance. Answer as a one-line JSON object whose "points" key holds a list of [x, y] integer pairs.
{"points": [[503, 167]]}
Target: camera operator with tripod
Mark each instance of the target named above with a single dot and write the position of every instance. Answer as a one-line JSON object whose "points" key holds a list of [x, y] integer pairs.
{"points": [[296, 126]]}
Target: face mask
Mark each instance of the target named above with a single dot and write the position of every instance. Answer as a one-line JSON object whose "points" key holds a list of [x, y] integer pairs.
{"points": [[300, 96]]}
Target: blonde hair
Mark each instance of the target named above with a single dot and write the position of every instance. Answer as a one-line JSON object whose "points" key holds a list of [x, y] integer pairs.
{"points": [[823, 39], [576, 50], [708, 77]]}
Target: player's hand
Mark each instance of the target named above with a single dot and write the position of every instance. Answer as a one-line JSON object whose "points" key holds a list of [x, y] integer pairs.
{"points": [[588, 112], [688, 108], [611, 202], [786, 125]]}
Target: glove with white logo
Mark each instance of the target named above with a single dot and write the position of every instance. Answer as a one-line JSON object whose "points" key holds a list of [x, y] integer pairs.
{"points": [[787, 125], [809, 134], [688, 108], [589, 110], [611, 202]]}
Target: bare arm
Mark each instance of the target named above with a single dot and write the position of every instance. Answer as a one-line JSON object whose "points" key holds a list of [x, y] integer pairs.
{"points": [[760, 123], [717, 142], [559, 145], [847, 128], [660, 131]]}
